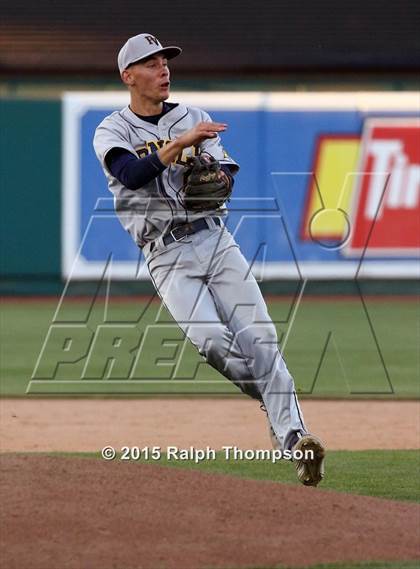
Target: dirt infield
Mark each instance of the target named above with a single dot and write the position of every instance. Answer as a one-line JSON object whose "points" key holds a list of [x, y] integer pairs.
{"points": [[77, 513], [89, 424], [67, 512]]}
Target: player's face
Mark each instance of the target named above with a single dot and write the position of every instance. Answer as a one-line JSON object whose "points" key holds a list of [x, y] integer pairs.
{"points": [[150, 78]]}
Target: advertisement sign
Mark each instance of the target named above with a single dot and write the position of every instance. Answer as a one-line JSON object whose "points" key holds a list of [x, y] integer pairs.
{"points": [[329, 184]]}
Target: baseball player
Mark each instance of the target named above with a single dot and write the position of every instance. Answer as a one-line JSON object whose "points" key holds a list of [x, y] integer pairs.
{"points": [[160, 160]]}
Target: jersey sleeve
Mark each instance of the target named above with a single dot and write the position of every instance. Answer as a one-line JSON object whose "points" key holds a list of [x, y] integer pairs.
{"points": [[131, 171], [108, 136], [214, 147]]}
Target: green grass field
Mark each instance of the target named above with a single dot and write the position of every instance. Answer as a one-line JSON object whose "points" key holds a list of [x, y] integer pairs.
{"points": [[385, 474], [391, 474], [334, 348]]}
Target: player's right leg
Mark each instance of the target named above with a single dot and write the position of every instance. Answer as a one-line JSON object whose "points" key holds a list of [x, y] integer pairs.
{"points": [[180, 283]]}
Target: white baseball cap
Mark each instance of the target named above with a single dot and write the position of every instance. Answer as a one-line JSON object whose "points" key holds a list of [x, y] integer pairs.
{"points": [[142, 46]]}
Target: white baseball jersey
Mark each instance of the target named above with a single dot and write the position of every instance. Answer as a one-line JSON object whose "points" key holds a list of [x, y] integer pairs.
{"points": [[148, 212]]}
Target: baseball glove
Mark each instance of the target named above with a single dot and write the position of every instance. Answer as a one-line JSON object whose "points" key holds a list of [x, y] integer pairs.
{"points": [[206, 186]]}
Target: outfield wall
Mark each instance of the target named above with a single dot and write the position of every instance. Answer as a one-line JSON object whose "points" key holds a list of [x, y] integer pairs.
{"points": [[295, 150], [30, 179]]}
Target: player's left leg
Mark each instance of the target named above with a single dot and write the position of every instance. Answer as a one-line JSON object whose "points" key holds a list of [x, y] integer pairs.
{"points": [[238, 297]]}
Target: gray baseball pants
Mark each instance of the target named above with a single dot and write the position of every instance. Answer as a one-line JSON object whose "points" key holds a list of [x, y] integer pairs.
{"points": [[207, 286]]}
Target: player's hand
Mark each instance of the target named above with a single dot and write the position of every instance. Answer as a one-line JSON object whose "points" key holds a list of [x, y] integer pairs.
{"points": [[194, 136], [201, 131]]}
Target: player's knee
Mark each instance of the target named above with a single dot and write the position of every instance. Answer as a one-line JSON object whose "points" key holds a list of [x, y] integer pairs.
{"points": [[258, 334], [210, 341], [216, 343]]}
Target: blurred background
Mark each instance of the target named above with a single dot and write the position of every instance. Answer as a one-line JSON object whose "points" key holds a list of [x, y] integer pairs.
{"points": [[48, 48], [267, 56]]}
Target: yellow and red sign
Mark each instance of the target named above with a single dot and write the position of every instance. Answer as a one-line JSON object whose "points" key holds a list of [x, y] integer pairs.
{"points": [[365, 192]]}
